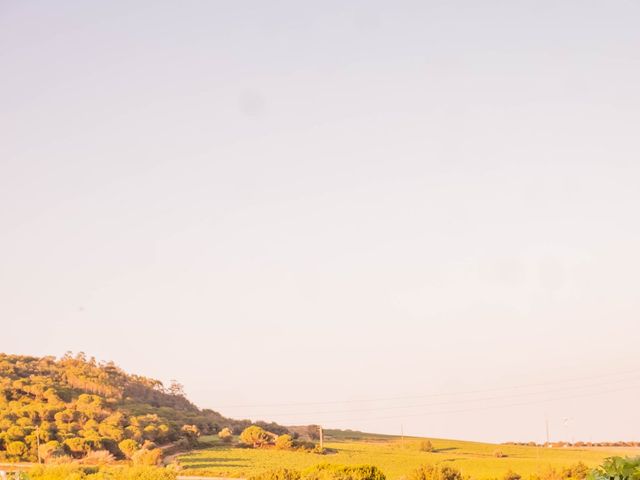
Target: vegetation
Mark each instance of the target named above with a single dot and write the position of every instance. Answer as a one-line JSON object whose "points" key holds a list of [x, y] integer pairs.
{"points": [[323, 472], [617, 468], [255, 436], [77, 472], [73, 406], [397, 458], [436, 472], [426, 446]]}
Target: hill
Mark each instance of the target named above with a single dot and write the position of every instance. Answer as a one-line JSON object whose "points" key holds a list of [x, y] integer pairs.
{"points": [[75, 405]]}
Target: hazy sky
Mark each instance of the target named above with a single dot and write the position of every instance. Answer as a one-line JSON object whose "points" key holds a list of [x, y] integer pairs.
{"points": [[333, 212]]}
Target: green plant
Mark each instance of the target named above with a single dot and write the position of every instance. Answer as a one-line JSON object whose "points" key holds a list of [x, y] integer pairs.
{"points": [[511, 475], [436, 472], [617, 468], [277, 474], [226, 435], [255, 436], [328, 471], [425, 446], [284, 442]]}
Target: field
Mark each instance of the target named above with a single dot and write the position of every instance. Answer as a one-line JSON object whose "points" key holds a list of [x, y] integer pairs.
{"points": [[395, 457]]}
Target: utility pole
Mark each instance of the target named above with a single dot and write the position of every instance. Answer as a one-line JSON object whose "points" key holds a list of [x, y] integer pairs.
{"points": [[402, 435], [547, 423], [321, 434]]}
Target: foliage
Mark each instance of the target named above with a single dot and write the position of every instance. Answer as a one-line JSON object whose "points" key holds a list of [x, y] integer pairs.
{"points": [[576, 471], [284, 442], [226, 435], [277, 474], [146, 456], [425, 446], [474, 459], [511, 475], [85, 406], [77, 472], [436, 472], [255, 436], [617, 468], [128, 447], [328, 471]]}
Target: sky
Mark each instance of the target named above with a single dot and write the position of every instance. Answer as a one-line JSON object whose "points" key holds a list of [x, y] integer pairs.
{"points": [[385, 216]]}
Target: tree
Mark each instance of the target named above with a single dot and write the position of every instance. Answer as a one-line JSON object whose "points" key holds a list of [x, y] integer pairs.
{"points": [[255, 436], [284, 442], [147, 456], [17, 449], [176, 388], [128, 447], [225, 435], [426, 446]]}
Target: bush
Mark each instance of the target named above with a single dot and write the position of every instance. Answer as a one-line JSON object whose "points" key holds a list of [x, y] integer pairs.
{"points": [[255, 436], [77, 472], [147, 457], [341, 472], [128, 447], [284, 442], [277, 474], [511, 475], [617, 468], [438, 472], [425, 446], [99, 457], [226, 435], [577, 471], [16, 449], [50, 450]]}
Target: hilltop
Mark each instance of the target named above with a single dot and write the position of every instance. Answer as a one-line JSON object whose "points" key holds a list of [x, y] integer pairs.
{"points": [[75, 405]]}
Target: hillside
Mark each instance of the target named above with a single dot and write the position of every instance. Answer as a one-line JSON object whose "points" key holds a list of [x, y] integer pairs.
{"points": [[74, 405]]}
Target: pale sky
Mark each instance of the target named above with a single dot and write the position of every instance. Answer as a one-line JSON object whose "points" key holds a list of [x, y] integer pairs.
{"points": [[343, 213]]}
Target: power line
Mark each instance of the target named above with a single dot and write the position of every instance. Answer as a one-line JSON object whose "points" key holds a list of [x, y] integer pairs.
{"points": [[429, 395], [423, 414], [447, 402]]}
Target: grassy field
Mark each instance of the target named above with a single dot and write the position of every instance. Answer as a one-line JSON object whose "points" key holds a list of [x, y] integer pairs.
{"points": [[395, 457]]}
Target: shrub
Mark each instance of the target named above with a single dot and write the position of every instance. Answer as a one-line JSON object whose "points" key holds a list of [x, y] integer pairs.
{"points": [[255, 436], [50, 449], [425, 446], [284, 442], [16, 449], [277, 474], [147, 456], [498, 454], [617, 468], [128, 447], [577, 471], [98, 457], [226, 435], [511, 475], [342, 472], [437, 472], [77, 472]]}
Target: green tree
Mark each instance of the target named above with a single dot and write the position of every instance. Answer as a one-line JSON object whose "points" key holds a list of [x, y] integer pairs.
{"points": [[255, 436], [16, 449], [225, 435], [128, 447], [284, 442]]}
